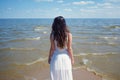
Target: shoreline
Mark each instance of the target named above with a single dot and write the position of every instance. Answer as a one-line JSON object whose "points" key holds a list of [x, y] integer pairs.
{"points": [[78, 74], [84, 74]]}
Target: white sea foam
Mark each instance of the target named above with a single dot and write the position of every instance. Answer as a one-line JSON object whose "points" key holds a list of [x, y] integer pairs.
{"points": [[44, 32], [112, 44], [85, 54], [85, 61], [21, 48], [38, 60], [36, 38], [31, 63], [24, 39], [14, 48], [39, 28], [106, 38]]}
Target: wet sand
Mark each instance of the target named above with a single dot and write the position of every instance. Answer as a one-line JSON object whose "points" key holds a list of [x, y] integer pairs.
{"points": [[83, 74], [78, 74]]}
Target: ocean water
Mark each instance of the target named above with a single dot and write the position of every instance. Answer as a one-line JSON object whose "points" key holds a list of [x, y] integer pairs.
{"points": [[24, 46]]}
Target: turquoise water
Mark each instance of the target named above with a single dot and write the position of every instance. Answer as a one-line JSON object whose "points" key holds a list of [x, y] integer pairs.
{"points": [[25, 42]]}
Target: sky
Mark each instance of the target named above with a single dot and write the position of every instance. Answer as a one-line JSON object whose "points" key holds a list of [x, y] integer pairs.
{"points": [[53, 8]]}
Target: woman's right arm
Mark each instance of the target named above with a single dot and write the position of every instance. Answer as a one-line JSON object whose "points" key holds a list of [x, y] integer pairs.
{"points": [[52, 47], [69, 47]]}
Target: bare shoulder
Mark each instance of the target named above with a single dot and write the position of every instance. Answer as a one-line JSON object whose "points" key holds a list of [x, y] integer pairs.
{"points": [[69, 35]]}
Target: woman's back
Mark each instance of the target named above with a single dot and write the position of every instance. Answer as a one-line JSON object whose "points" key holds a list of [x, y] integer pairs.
{"points": [[56, 44], [60, 56]]}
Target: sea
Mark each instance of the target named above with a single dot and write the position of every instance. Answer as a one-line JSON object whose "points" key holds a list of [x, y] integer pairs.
{"points": [[25, 44]]}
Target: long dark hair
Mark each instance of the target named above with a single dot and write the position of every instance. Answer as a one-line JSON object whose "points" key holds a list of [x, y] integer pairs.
{"points": [[59, 30]]}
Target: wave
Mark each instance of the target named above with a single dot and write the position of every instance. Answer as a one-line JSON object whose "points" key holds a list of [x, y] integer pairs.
{"points": [[98, 43], [36, 61], [107, 38], [97, 37], [112, 27], [18, 49], [93, 64], [115, 26], [31, 63], [44, 32], [107, 53], [24, 39], [88, 32], [85, 66], [90, 70], [81, 37], [40, 63], [85, 61], [37, 38], [39, 28]]}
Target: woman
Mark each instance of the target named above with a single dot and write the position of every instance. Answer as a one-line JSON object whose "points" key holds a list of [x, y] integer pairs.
{"points": [[60, 55]]}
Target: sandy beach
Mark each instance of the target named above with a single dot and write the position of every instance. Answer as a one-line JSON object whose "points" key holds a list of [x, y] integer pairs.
{"points": [[78, 74]]}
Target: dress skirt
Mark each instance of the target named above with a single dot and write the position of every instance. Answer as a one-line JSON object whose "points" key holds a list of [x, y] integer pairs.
{"points": [[60, 66]]}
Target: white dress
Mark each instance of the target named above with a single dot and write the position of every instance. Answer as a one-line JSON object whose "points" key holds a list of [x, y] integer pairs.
{"points": [[60, 65]]}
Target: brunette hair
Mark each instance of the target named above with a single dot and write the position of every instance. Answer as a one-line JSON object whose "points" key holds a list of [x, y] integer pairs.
{"points": [[59, 31]]}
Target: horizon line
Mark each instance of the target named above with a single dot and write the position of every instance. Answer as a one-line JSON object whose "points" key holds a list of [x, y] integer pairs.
{"points": [[65, 18]]}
